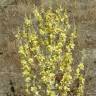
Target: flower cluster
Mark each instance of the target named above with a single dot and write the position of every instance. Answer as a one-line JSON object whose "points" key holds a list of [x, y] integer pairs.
{"points": [[46, 45]]}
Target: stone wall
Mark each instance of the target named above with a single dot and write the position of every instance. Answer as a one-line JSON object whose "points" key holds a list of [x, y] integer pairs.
{"points": [[12, 16]]}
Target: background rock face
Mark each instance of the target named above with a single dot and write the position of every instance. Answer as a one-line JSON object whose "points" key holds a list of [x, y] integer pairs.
{"points": [[12, 16]]}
